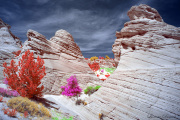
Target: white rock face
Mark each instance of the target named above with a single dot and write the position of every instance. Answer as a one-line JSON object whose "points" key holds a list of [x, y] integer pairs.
{"points": [[146, 83], [62, 58], [8, 44], [144, 11]]}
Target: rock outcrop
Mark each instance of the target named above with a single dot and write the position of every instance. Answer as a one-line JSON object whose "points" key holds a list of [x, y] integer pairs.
{"points": [[62, 58], [146, 83], [9, 43]]}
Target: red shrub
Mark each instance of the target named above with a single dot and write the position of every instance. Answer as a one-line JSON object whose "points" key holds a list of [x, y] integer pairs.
{"points": [[1, 98], [25, 114], [29, 75], [114, 65], [103, 79], [95, 66], [5, 110], [107, 75], [12, 113]]}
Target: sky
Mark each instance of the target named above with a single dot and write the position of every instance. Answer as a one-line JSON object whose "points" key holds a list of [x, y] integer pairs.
{"points": [[92, 23]]}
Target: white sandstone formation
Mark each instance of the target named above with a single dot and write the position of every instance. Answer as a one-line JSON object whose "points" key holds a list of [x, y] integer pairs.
{"points": [[62, 58], [146, 83], [9, 43]]}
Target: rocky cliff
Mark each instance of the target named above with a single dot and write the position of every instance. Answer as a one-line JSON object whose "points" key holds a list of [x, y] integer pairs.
{"points": [[62, 57], [146, 83], [9, 43]]}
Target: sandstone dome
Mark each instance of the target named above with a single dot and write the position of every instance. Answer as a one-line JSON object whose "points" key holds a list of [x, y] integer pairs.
{"points": [[64, 34]]}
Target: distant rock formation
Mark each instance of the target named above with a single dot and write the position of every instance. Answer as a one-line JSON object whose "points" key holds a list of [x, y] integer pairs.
{"points": [[62, 57], [146, 82], [9, 43], [144, 37]]}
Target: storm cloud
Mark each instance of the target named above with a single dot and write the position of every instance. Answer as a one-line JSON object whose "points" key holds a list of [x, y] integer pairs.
{"points": [[92, 23]]}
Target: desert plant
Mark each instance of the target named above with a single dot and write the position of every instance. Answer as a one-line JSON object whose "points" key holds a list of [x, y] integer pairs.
{"points": [[12, 113], [57, 115], [72, 88], [5, 110], [101, 116], [102, 57], [85, 103], [89, 90], [107, 57], [5, 81], [93, 58], [8, 93], [78, 102], [70, 118], [25, 114], [109, 70], [22, 104], [95, 66], [97, 87], [1, 98], [30, 73]]}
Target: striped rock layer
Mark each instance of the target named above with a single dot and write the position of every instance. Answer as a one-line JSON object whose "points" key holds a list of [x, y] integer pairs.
{"points": [[9, 43], [62, 58], [146, 83]]}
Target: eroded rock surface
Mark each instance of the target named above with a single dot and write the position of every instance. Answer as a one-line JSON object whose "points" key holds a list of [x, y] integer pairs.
{"points": [[146, 83], [62, 57], [9, 43]]}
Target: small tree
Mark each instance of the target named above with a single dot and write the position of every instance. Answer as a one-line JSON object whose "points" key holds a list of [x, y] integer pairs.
{"points": [[72, 88], [30, 73]]}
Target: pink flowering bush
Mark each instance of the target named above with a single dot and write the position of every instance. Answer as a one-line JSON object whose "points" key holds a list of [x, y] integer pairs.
{"points": [[5, 81], [8, 93], [72, 88]]}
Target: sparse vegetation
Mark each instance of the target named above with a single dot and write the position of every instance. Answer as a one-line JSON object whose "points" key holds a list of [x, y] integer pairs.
{"points": [[110, 70], [90, 90], [93, 58], [22, 104]]}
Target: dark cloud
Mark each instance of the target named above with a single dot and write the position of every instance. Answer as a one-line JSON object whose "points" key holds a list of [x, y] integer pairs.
{"points": [[92, 23]]}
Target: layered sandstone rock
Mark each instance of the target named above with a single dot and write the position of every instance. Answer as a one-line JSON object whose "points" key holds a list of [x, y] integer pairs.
{"points": [[62, 58], [146, 83], [9, 43]]}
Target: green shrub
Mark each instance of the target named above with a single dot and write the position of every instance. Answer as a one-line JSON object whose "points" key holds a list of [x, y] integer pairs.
{"points": [[90, 90], [22, 104], [110, 70], [59, 115], [97, 87]]}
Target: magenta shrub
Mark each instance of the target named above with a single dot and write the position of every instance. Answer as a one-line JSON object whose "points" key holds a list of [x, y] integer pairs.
{"points": [[72, 88], [6, 92], [5, 81]]}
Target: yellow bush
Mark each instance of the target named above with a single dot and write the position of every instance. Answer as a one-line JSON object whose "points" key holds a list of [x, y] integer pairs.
{"points": [[93, 58], [22, 104], [107, 57]]}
